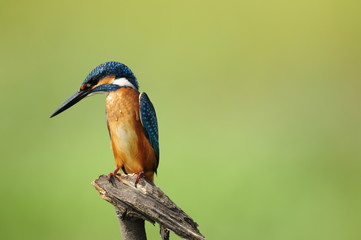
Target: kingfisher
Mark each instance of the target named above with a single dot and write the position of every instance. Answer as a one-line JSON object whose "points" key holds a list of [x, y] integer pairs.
{"points": [[131, 118]]}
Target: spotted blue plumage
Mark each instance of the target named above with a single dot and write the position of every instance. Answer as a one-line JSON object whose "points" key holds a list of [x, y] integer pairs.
{"points": [[148, 118], [107, 69]]}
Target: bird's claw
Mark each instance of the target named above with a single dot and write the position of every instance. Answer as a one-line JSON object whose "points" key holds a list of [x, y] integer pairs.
{"points": [[139, 176], [113, 173], [112, 176]]}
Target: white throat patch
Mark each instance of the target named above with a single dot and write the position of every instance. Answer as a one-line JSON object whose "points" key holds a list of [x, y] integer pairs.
{"points": [[123, 82]]}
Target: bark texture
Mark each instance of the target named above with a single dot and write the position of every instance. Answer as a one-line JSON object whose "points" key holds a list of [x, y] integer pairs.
{"points": [[144, 201]]}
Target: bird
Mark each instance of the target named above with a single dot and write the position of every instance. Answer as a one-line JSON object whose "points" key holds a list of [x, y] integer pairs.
{"points": [[130, 115]]}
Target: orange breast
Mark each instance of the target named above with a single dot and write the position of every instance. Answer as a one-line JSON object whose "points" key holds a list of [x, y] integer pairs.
{"points": [[132, 150]]}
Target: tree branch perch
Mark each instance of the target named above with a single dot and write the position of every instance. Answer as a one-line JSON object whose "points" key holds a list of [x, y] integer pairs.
{"points": [[134, 204]]}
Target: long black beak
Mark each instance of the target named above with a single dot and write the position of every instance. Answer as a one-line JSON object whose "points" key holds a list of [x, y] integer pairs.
{"points": [[79, 95]]}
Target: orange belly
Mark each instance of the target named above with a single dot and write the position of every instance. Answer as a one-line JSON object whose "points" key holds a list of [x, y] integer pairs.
{"points": [[132, 150]]}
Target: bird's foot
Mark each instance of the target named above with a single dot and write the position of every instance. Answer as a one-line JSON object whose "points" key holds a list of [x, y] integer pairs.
{"points": [[113, 173], [139, 176], [112, 176]]}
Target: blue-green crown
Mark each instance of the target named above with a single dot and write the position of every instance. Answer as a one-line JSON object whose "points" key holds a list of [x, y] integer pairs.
{"points": [[106, 69]]}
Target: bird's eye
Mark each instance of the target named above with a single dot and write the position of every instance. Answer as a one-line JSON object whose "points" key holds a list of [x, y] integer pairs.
{"points": [[85, 86]]}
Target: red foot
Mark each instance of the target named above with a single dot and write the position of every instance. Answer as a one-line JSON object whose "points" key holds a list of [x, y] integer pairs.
{"points": [[140, 175], [113, 173]]}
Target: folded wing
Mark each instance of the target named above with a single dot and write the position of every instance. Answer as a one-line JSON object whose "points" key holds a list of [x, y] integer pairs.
{"points": [[148, 119]]}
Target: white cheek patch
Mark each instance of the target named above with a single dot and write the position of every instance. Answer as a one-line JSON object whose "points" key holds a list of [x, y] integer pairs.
{"points": [[123, 82]]}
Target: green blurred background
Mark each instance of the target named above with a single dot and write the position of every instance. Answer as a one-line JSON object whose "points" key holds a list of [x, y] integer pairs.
{"points": [[258, 105]]}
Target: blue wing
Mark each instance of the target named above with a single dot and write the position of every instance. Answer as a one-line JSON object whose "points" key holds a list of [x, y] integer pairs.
{"points": [[148, 118]]}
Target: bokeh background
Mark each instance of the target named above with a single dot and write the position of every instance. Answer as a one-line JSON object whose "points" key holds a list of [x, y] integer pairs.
{"points": [[258, 105]]}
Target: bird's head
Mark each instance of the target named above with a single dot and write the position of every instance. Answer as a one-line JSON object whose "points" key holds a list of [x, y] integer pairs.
{"points": [[104, 78]]}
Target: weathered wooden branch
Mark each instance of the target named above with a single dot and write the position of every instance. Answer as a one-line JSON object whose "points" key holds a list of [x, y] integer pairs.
{"points": [[134, 204], [131, 228]]}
